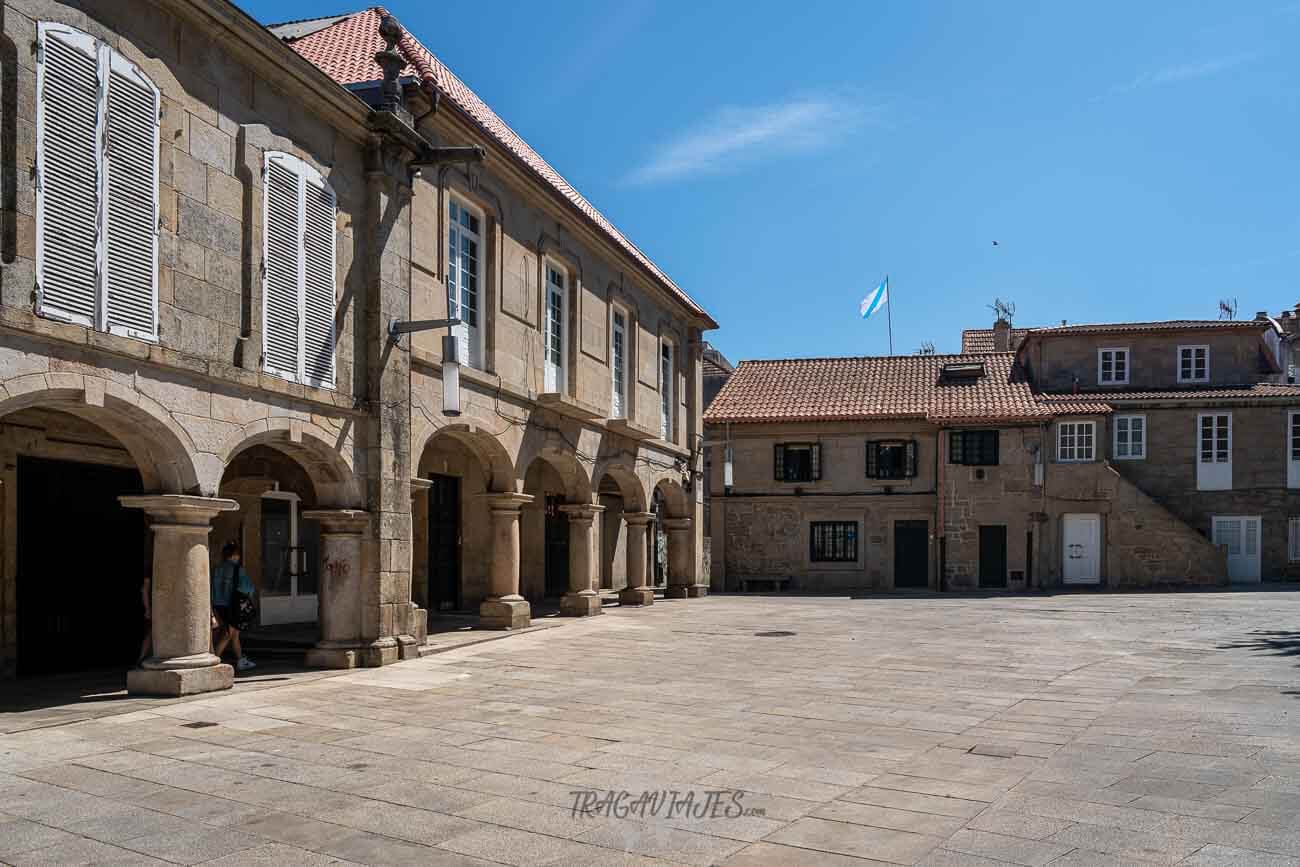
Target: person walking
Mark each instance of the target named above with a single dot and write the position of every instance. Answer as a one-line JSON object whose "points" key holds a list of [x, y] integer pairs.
{"points": [[232, 604]]}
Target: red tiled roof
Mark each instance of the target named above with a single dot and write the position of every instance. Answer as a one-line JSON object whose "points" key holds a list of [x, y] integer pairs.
{"points": [[1260, 390], [345, 51], [877, 387], [1168, 325], [981, 339]]}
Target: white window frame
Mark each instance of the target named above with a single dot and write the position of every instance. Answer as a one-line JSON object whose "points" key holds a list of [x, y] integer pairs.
{"points": [[667, 390], [108, 60], [566, 295], [1115, 352], [1076, 456], [471, 337], [1292, 449], [306, 173], [618, 386], [1132, 454], [1192, 347], [1213, 474]]}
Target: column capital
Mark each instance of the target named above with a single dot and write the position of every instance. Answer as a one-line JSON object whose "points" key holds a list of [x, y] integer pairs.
{"points": [[676, 525], [343, 521], [582, 511], [179, 510], [419, 486], [638, 519], [505, 502]]}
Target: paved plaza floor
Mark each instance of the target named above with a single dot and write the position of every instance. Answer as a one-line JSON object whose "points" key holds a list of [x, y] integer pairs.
{"points": [[1067, 729]]}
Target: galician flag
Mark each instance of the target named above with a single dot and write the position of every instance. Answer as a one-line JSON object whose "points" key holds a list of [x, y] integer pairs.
{"points": [[877, 299]]}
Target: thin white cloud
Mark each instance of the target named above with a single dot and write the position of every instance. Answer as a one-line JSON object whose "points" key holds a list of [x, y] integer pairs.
{"points": [[737, 136], [1180, 72]]}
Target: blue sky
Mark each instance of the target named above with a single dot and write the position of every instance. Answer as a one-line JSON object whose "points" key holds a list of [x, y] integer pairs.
{"points": [[1132, 160]]}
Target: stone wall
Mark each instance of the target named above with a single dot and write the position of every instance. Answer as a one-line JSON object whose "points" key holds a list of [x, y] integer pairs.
{"points": [[1056, 361]]}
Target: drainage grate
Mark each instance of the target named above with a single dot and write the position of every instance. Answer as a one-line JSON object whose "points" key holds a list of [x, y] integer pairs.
{"points": [[198, 725], [778, 633]]}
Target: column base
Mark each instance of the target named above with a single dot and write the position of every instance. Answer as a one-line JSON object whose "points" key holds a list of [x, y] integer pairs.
{"points": [[407, 647], [580, 604], [508, 612], [677, 591], [333, 657], [695, 591], [179, 681], [380, 652], [636, 596]]}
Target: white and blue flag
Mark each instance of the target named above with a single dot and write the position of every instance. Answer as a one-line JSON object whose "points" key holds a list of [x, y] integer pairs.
{"points": [[877, 299]]}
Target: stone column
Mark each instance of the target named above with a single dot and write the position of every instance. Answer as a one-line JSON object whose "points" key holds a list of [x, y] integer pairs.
{"points": [[636, 592], [182, 661], [418, 619], [341, 603], [504, 608], [582, 600], [681, 561]]}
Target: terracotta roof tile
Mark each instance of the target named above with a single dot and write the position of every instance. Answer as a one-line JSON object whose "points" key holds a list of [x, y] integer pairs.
{"points": [[345, 51], [1167, 325], [981, 339], [876, 387], [1261, 390]]}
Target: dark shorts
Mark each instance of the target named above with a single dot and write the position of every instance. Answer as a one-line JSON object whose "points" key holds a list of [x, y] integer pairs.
{"points": [[223, 614]]}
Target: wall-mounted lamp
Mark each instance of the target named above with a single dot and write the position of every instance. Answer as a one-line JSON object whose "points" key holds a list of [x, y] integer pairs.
{"points": [[450, 357], [727, 468]]}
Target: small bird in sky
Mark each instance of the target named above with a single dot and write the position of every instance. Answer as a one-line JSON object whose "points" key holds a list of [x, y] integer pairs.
{"points": [[995, 243]]}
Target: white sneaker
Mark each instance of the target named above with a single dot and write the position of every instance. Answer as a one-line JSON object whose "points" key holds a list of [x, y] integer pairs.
{"points": [[244, 664]]}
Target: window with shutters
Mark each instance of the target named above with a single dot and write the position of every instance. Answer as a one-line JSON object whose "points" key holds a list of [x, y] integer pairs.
{"points": [[96, 186], [891, 459], [973, 448], [298, 267], [798, 462], [833, 542]]}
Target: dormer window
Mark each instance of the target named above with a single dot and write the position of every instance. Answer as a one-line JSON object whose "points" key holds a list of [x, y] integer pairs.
{"points": [[961, 372], [1112, 366], [1193, 364]]}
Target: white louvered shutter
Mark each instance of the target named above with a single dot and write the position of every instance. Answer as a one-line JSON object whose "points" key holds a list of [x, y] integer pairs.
{"points": [[68, 136], [318, 281], [282, 269], [131, 193]]}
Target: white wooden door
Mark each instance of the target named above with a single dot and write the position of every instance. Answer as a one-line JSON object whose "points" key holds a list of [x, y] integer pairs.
{"points": [[1240, 535], [1082, 549], [288, 594]]}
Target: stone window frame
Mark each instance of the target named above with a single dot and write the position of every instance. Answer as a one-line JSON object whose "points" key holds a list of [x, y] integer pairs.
{"points": [[907, 467], [1192, 347], [814, 461], [1076, 428], [667, 387], [619, 308], [564, 376], [1115, 354], [851, 536], [1114, 440], [478, 338], [959, 454]]}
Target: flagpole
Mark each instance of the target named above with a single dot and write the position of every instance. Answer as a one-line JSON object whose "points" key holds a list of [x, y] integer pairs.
{"points": [[889, 317]]}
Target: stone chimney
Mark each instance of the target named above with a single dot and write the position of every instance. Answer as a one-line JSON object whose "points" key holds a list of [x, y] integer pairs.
{"points": [[1001, 335]]}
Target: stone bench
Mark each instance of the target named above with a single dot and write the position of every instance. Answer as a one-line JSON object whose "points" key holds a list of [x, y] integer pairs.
{"points": [[777, 584]]}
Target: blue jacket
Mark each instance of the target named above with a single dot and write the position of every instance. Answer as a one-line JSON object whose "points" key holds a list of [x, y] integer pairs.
{"points": [[225, 578]]}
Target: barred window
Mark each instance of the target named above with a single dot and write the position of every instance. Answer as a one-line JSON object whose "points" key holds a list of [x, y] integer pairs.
{"points": [[973, 448], [891, 459], [833, 542], [797, 462]]}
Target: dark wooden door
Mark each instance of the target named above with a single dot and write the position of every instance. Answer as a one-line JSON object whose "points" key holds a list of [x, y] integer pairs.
{"points": [[444, 543], [993, 556], [81, 560], [911, 554], [557, 547]]}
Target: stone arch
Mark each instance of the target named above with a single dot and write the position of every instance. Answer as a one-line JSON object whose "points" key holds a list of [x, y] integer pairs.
{"points": [[489, 451], [310, 446], [629, 485], [677, 503], [162, 450], [577, 481]]}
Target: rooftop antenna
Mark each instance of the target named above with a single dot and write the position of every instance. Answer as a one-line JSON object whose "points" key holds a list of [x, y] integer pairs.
{"points": [[1003, 309], [1228, 308], [927, 348]]}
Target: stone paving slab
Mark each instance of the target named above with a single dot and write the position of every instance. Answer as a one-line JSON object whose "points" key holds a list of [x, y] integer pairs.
{"points": [[954, 732]]}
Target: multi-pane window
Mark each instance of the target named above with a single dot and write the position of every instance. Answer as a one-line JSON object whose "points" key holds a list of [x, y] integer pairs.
{"points": [[1076, 441], [1193, 363], [1216, 439], [666, 381], [463, 240], [298, 265], [96, 186], [618, 365], [973, 448], [557, 283], [797, 462], [833, 542], [1112, 366], [891, 459], [1130, 437], [1293, 449]]}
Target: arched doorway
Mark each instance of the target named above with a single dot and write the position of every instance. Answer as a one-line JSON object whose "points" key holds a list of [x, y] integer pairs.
{"points": [[73, 559], [673, 554], [560, 516]]}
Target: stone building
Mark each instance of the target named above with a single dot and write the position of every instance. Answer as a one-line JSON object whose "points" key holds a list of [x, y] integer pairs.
{"points": [[1090, 455], [210, 227]]}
